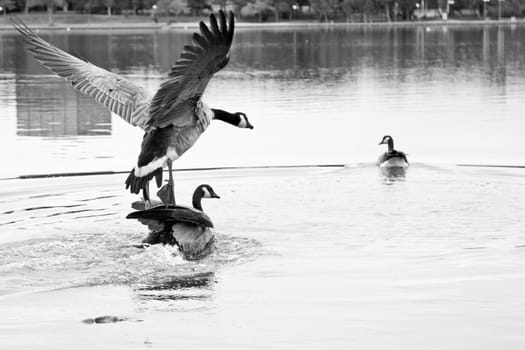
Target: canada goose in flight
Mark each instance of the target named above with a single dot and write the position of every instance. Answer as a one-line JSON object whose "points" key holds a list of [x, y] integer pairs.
{"points": [[174, 118], [188, 228], [392, 158]]}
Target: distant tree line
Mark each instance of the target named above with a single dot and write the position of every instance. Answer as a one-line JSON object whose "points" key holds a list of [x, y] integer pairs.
{"points": [[79, 6], [275, 10]]}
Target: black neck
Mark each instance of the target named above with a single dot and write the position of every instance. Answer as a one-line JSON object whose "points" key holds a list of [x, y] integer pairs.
{"points": [[390, 145], [226, 117], [197, 196]]}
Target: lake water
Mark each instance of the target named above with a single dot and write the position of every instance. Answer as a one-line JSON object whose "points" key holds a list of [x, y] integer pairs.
{"points": [[306, 257]]}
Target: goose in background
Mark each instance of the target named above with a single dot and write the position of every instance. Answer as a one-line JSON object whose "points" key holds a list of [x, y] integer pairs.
{"points": [[174, 118], [392, 158], [188, 228]]}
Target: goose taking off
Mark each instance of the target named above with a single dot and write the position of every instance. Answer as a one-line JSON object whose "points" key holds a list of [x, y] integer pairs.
{"points": [[392, 158], [188, 228], [174, 118]]}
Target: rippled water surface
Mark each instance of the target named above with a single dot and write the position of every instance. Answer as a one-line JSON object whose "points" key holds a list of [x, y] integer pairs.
{"points": [[315, 95], [305, 257]]}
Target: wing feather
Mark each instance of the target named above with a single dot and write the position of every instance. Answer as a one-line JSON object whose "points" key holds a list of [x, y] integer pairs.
{"points": [[190, 75], [215, 27], [193, 49], [223, 27], [119, 95], [207, 34], [189, 55], [200, 41]]}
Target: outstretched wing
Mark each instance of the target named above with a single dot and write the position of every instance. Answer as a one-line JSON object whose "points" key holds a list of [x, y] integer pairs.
{"points": [[119, 95], [188, 78]]}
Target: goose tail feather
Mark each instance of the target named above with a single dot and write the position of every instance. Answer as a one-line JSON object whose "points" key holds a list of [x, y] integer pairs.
{"points": [[137, 183]]}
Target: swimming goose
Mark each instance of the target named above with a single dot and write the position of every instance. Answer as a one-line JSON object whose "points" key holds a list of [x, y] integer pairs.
{"points": [[174, 118], [188, 228], [392, 158]]}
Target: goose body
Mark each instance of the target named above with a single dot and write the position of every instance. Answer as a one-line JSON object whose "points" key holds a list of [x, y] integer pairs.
{"points": [[174, 117], [187, 227], [392, 158]]}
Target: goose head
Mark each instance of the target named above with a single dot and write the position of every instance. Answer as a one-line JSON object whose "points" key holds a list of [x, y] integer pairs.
{"points": [[203, 191], [243, 121], [206, 191], [386, 140], [237, 119]]}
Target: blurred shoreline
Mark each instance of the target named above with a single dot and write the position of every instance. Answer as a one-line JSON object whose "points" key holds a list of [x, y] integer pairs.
{"points": [[101, 22]]}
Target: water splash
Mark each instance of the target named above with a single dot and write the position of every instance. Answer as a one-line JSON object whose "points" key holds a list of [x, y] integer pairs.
{"points": [[159, 274]]}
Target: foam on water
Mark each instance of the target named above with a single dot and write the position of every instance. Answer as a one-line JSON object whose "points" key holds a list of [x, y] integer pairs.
{"points": [[106, 259], [71, 232], [328, 249]]}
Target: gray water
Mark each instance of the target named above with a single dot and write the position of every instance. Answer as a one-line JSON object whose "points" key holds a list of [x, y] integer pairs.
{"points": [[305, 257], [315, 95]]}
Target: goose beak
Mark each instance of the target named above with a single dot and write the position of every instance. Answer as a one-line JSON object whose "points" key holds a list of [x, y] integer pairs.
{"points": [[215, 195], [249, 126]]}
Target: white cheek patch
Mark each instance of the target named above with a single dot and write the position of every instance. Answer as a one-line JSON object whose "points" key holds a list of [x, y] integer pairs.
{"points": [[207, 193], [243, 123]]}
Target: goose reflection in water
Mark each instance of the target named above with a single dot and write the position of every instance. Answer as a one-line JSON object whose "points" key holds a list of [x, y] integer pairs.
{"points": [[393, 175], [195, 287]]}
